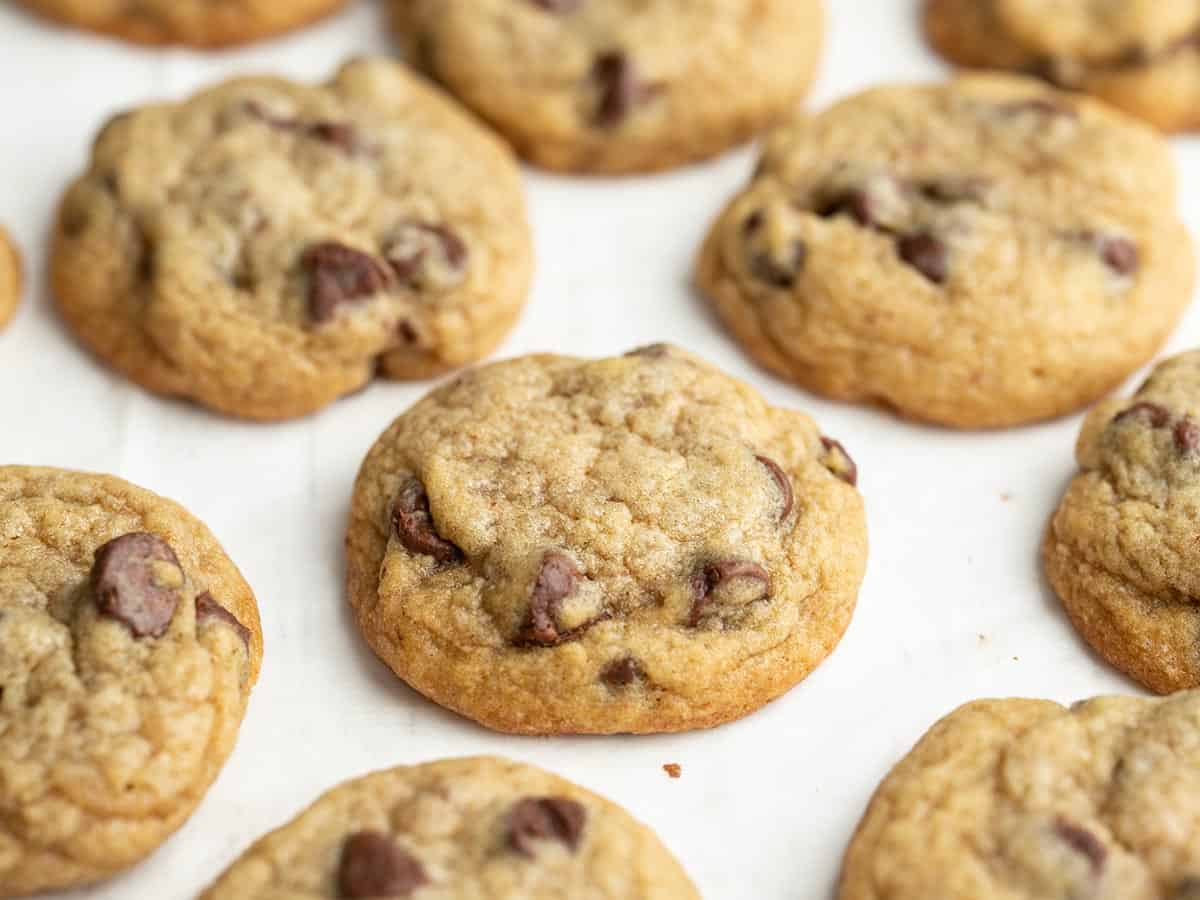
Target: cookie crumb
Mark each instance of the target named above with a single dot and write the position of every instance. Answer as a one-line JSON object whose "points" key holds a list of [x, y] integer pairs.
{"points": [[1005, 497], [673, 769]]}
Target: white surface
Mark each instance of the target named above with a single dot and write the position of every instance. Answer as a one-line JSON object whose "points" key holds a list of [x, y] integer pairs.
{"points": [[953, 607]]}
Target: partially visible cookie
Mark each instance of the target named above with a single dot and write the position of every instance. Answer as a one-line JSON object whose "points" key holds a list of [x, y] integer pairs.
{"points": [[1122, 550], [267, 247], [198, 23], [979, 253], [128, 647], [478, 827], [1140, 55], [10, 277], [619, 85], [555, 545], [1028, 800]]}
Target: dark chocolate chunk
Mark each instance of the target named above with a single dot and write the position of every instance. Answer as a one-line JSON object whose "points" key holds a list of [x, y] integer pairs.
{"points": [[338, 275], [556, 580], [413, 524], [1146, 413], [620, 88], [545, 818], [209, 610], [784, 483], [1082, 841], [621, 672], [926, 254], [374, 866], [839, 462], [717, 574], [136, 580]]}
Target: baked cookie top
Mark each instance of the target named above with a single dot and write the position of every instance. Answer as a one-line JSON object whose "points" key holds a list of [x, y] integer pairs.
{"points": [[1122, 550], [10, 277], [619, 85], [1026, 800], [982, 252], [635, 544], [199, 23], [128, 647], [461, 828], [1142, 55], [265, 247]]}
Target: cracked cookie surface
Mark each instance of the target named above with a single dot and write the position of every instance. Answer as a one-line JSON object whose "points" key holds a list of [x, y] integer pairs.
{"points": [[636, 544], [1029, 800], [267, 247], [128, 647], [1140, 55], [198, 23], [979, 253], [11, 279], [1122, 550], [479, 828], [619, 85]]}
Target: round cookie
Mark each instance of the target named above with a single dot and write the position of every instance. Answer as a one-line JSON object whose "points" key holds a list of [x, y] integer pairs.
{"points": [[638, 544], [619, 85], [198, 23], [479, 827], [128, 647], [10, 277], [267, 247], [1121, 550], [1028, 800], [980, 253], [1140, 55]]}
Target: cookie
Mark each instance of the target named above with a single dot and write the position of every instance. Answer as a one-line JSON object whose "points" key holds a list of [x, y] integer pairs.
{"points": [[618, 85], [1140, 55], [10, 277], [128, 647], [638, 544], [197, 23], [978, 253], [1121, 550], [1029, 800], [476, 827], [266, 247]]}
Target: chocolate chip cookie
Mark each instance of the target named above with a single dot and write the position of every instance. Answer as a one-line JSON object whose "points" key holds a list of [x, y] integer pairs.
{"points": [[1140, 55], [978, 253], [1029, 800], [198, 23], [618, 85], [1122, 549], [476, 827], [10, 277], [267, 247], [128, 647], [638, 544]]}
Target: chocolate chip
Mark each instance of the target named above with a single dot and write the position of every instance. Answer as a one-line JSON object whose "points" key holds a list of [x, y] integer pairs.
{"points": [[1119, 254], [1187, 435], [651, 351], [545, 818], [839, 462], [413, 524], [556, 580], [375, 866], [784, 483], [967, 189], [338, 275], [620, 87], [136, 580], [717, 574], [209, 610], [1147, 413], [621, 672], [1082, 841], [1187, 888], [926, 254], [857, 204], [558, 6], [339, 134], [780, 274], [424, 255]]}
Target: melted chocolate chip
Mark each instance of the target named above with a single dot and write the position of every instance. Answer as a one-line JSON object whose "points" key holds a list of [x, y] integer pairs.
{"points": [[556, 580], [717, 574], [839, 462], [338, 275], [341, 135], [620, 88], [413, 523], [375, 866], [545, 818], [857, 204], [955, 190], [780, 274], [559, 6], [1187, 888], [1082, 841], [421, 254], [782, 481], [1119, 254], [136, 580], [651, 351], [926, 254], [621, 672], [209, 610], [1147, 413], [1187, 435]]}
